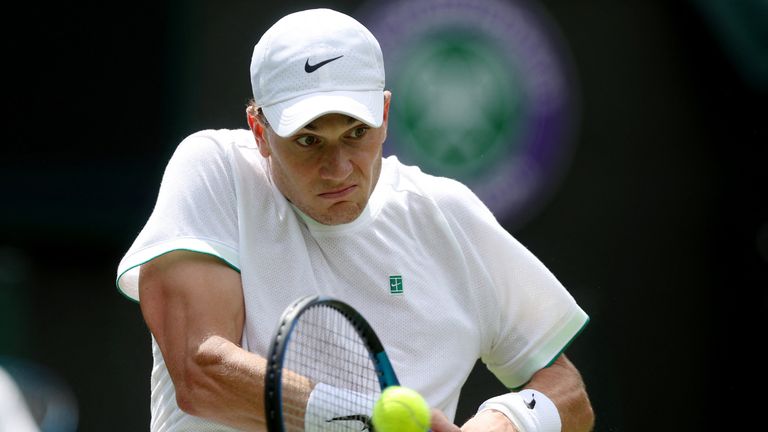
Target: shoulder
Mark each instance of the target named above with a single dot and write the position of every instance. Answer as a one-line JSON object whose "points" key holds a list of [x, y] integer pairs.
{"points": [[216, 141], [445, 193], [213, 150]]}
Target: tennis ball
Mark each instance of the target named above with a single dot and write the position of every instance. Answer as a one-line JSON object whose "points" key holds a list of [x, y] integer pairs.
{"points": [[400, 409]]}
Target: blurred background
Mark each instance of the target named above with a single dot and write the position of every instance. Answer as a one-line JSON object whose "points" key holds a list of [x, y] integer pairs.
{"points": [[623, 142]]}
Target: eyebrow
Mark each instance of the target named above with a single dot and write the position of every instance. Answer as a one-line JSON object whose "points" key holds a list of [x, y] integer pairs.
{"points": [[350, 120]]}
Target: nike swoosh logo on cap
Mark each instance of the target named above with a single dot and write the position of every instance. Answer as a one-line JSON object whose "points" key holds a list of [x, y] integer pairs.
{"points": [[308, 68]]}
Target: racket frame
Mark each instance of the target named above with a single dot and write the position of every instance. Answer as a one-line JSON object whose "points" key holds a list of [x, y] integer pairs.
{"points": [[273, 409]]}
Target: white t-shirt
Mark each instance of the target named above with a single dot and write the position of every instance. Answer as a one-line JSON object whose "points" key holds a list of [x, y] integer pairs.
{"points": [[469, 289], [14, 412]]}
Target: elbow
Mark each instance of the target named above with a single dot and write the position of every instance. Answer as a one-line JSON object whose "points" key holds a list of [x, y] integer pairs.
{"points": [[186, 402], [194, 387], [188, 394]]}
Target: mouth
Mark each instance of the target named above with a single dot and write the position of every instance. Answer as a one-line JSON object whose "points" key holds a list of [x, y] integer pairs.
{"points": [[338, 193]]}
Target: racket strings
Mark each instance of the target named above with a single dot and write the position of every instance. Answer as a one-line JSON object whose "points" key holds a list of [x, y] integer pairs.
{"points": [[325, 348]]}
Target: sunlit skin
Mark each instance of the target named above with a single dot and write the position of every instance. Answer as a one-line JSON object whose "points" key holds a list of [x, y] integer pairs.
{"points": [[329, 168]]}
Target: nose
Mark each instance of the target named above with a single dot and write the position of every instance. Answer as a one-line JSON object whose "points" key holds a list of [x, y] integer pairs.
{"points": [[336, 164]]}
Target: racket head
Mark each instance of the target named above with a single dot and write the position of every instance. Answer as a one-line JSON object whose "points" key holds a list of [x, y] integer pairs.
{"points": [[323, 340]]}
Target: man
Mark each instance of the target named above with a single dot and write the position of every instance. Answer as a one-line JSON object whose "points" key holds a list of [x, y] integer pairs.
{"points": [[304, 203]]}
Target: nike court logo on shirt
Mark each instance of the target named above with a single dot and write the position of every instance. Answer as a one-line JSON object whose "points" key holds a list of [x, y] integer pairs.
{"points": [[396, 284]]}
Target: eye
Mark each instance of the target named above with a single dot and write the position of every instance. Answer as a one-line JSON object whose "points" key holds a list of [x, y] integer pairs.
{"points": [[307, 140], [358, 132]]}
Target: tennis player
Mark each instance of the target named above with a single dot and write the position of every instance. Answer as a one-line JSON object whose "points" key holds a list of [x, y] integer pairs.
{"points": [[302, 202]]}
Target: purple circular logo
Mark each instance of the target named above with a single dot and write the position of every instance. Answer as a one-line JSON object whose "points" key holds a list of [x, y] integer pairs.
{"points": [[482, 92]]}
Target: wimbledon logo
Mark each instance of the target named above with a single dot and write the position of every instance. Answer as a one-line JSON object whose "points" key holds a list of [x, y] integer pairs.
{"points": [[481, 93]]}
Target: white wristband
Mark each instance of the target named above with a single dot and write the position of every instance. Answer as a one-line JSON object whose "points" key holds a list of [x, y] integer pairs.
{"points": [[528, 410], [347, 409]]}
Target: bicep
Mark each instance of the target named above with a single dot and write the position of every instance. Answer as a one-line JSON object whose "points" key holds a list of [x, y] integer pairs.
{"points": [[187, 297]]}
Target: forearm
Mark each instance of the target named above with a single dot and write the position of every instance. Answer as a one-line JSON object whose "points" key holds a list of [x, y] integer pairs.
{"points": [[226, 385], [561, 383]]}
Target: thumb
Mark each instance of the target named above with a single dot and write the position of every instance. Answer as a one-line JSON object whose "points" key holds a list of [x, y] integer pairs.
{"points": [[440, 423]]}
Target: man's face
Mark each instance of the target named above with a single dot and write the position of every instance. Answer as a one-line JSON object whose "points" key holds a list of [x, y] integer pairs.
{"points": [[329, 168]]}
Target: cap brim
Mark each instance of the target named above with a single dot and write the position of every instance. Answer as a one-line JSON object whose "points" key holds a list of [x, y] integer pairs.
{"points": [[288, 117]]}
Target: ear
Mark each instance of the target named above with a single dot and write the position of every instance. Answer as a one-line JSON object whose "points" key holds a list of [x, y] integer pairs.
{"points": [[387, 99], [385, 122], [259, 131]]}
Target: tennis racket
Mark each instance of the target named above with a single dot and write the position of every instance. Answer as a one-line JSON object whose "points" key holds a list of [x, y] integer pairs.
{"points": [[325, 369]]}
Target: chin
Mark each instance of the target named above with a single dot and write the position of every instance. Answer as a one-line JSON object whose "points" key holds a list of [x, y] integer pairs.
{"points": [[338, 214]]}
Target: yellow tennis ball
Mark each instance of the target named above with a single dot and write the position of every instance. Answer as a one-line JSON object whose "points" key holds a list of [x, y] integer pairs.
{"points": [[400, 409]]}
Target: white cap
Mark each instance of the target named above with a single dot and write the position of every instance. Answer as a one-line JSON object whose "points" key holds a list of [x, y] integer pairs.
{"points": [[317, 62]]}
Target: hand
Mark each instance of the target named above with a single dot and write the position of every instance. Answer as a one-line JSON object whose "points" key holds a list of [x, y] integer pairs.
{"points": [[440, 423], [489, 421]]}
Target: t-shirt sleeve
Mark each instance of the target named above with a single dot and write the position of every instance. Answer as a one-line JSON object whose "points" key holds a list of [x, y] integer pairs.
{"points": [[196, 210], [528, 317]]}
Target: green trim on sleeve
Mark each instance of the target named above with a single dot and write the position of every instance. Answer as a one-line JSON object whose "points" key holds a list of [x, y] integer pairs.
{"points": [[517, 372], [565, 347], [120, 290], [127, 282]]}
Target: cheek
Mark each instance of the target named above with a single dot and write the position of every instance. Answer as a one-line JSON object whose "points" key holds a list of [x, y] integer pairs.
{"points": [[289, 173], [373, 155], [376, 172]]}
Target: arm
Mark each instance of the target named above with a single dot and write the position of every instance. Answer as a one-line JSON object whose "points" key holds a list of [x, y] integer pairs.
{"points": [[561, 383], [193, 305]]}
